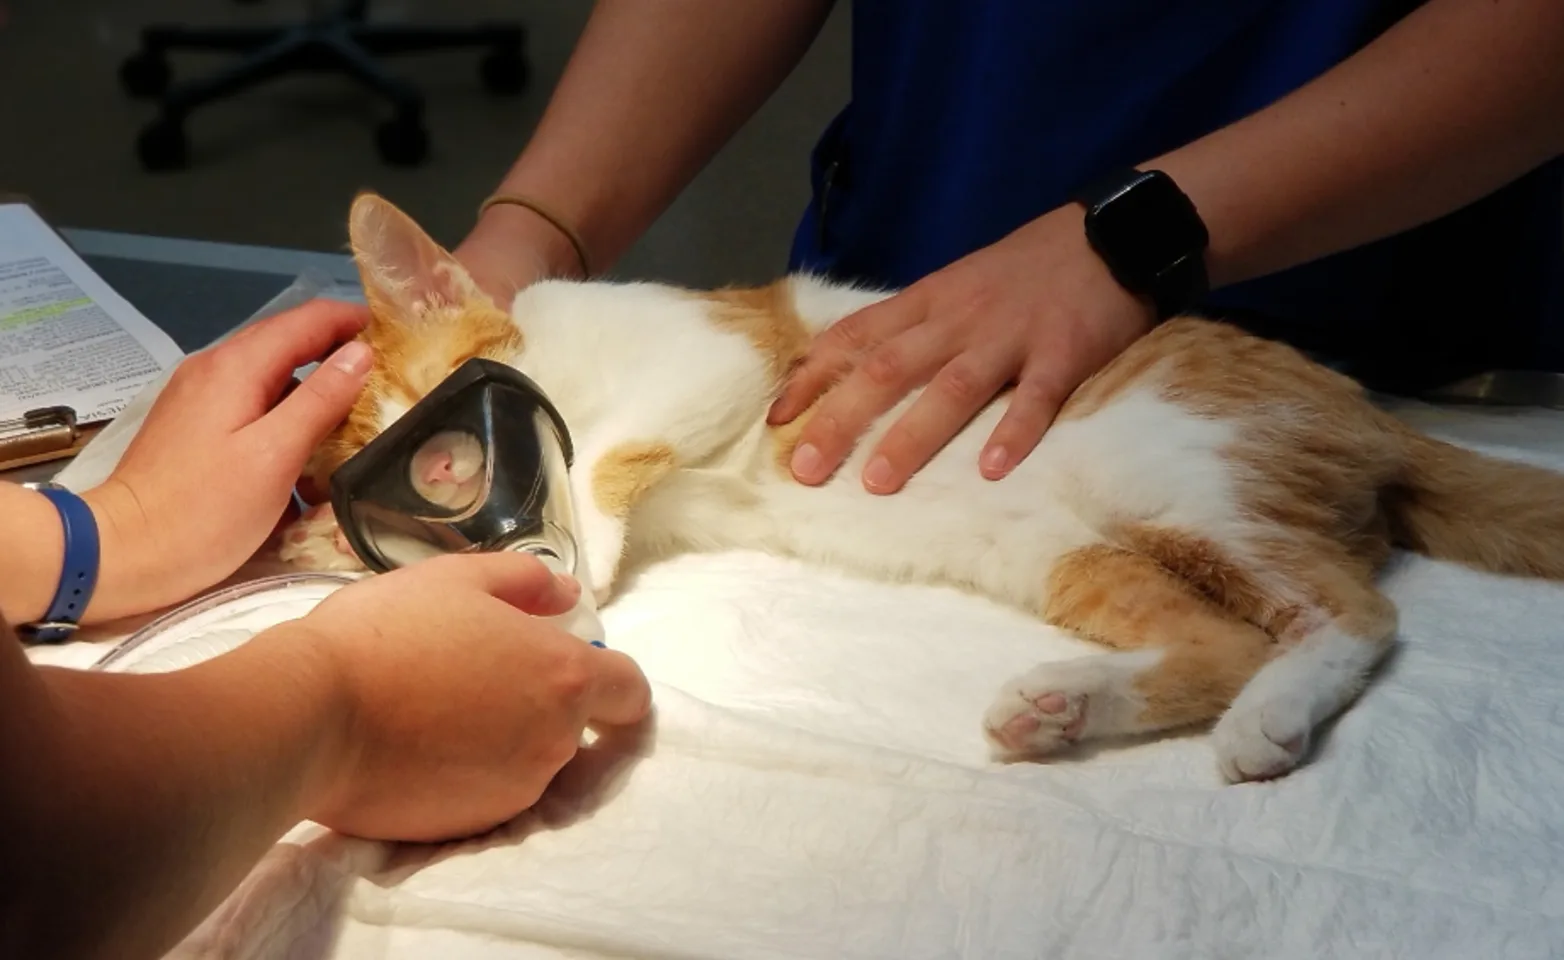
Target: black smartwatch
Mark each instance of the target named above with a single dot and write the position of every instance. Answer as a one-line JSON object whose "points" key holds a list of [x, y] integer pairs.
{"points": [[1150, 236]]}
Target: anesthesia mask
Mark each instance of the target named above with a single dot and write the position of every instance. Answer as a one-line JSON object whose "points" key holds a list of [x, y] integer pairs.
{"points": [[481, 464]]}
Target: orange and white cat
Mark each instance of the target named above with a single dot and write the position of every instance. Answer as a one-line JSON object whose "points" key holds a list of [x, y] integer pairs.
{"points": [[1211, 507]]}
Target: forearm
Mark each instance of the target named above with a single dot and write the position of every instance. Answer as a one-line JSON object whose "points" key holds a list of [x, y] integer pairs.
{"points": [[649, 96], [1450, 104], [138, 802]]}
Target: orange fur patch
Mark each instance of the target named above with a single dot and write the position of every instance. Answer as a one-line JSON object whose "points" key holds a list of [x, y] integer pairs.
{"points": [[1311, 460], [1209, 571], [626, 472], [1128, 601], [767, 316], [1490, 514]]}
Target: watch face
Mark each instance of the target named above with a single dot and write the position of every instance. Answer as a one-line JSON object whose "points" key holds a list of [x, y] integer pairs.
{"points": [[1145, 228]]}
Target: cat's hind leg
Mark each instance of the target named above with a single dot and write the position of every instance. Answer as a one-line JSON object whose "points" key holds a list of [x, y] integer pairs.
{"points": [[1324, 660], [1182, 658]]}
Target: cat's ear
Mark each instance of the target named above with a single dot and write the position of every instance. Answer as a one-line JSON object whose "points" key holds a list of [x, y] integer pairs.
{"points": [[400, 265]]}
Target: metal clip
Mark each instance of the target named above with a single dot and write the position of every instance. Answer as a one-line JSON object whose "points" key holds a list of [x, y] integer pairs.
{"points": [[36, 433]]}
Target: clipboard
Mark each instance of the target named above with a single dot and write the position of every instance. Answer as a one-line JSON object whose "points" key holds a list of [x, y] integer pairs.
{"points": [[41, 435]]}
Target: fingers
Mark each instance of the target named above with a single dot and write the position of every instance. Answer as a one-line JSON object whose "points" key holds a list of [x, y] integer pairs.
{"points": [[267, 353], [1033, 406], [879, 382], [301, 421], [611, 688], [835, 350], [518, 579], [960, 389], [620, 694]]}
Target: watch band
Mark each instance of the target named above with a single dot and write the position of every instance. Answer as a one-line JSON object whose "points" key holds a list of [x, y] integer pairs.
{"points": [[1104, 186], [79, 573], [1180, 286]]}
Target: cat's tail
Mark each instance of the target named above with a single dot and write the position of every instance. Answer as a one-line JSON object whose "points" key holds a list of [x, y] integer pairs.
{"points": [[1496, 515]]}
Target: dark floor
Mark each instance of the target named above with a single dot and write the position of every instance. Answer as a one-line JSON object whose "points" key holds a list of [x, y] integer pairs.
{"points": [[279, 165]]}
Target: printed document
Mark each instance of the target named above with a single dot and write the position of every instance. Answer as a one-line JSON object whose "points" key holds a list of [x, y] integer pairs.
{"points": [[66, 338]]}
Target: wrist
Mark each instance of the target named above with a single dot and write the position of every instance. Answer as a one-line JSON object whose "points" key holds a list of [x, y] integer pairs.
{"points": [[55, 577], [36, 538], [1212, 191], [511, 246], [302, 654], [1139, 309], [1149, 235], [1059, 238], [128, 566], [519, 230]]}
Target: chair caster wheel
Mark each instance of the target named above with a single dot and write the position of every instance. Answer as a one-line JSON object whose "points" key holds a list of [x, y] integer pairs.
{"points": [[145, 74], [402, 142], [504, 71], [162, 146]]}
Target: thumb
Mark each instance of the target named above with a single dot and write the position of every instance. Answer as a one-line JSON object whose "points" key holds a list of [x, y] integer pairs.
{"points": [[301, 421]]}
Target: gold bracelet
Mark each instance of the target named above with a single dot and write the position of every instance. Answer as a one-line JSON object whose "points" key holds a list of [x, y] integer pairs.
{"points": [[545, 213]]}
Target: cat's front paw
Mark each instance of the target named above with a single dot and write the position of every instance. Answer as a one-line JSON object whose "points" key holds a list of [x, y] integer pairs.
{"points": [[316, 542], [1262, 738], [602, 544], [601, 583]]}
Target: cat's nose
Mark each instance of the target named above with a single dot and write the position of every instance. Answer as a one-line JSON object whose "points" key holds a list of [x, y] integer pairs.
{"points": [[438, 470]]}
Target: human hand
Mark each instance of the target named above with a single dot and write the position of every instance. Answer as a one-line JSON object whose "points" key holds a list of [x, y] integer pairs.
{"points": [[1037, 308], [211, 471], [463, 705]]}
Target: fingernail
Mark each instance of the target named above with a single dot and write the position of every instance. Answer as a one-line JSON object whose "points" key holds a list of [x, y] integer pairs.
{"points": [[994, 459], [569, 583], [776, 414], [878, 473], [806, 462], [352, 358]]}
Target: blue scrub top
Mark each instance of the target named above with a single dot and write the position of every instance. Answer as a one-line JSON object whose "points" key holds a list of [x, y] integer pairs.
{"points": [[970, 117]]}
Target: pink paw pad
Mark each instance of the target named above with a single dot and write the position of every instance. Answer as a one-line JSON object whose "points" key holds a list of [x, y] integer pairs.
{"points": [[1054, 704], [1017, 731], [1051, 703]]}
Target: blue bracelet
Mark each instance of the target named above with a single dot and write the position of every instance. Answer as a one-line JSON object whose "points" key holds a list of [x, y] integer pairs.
{"points": [[79, 575]]}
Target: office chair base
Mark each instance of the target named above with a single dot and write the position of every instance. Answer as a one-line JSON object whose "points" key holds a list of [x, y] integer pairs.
{"points": [[163, 146], [402, 142], [341, 42]]}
